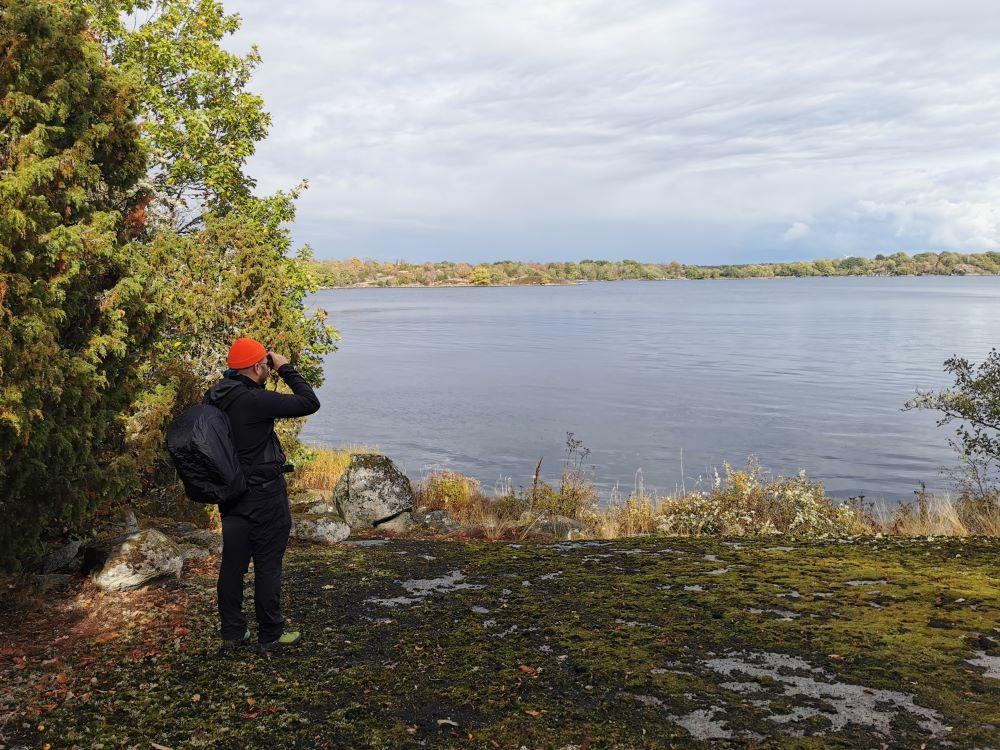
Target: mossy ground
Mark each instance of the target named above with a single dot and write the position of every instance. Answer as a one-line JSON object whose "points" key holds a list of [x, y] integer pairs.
{"points": [[592, 644]]}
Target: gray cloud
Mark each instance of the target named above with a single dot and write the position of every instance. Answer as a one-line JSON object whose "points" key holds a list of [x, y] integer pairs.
{"points": [[704, 130]]}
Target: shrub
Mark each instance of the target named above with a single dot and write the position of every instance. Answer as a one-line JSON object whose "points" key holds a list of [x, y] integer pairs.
{"points": [[746, 503], [450, 491]]}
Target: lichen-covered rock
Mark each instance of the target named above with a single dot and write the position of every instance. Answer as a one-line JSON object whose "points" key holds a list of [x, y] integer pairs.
{"points": [[319, 527], [132, 561], [437, 520], [193, 551], [400, 524], [208, 540], [372, 490], [62, 557], [313, 506]]}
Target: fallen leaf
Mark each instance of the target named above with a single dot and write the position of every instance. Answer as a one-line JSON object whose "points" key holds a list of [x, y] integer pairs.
{"points": [[528, 670], [532, 712], [448, 722], [249, 716], [107, 637], [251, 702], [196, 697], [159, 747], [61, 678], [181, 630]]}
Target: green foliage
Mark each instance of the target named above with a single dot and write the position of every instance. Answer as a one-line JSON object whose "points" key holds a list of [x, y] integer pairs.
{"points": [[75, 299], [973, 406], [200, 122], [223, 254], [973, 403]]}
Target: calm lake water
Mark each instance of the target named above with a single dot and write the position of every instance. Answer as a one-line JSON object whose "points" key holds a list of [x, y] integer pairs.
{"points": [[670, 378]]}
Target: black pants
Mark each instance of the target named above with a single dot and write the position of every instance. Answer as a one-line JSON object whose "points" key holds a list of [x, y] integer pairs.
{"points": [[255, 529]]}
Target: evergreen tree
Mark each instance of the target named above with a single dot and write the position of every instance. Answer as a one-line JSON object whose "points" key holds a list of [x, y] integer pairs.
{"points": [[75, 311]]}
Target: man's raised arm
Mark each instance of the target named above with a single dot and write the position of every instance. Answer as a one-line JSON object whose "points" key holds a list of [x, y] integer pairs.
{"points": [[300, 402]]}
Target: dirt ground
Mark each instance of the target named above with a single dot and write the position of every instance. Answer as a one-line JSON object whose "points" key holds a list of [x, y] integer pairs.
{"points": [[637, 643]]}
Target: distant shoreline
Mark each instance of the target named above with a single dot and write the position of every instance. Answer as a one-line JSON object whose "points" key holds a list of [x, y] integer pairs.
{"points": [[369, 285], [357, 273]]}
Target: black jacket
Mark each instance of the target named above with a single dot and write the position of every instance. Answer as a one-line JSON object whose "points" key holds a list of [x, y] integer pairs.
{"points": [[252, 410]]}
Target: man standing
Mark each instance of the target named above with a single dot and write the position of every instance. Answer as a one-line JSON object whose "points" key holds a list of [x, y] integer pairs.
{"points": [[256, 525]]}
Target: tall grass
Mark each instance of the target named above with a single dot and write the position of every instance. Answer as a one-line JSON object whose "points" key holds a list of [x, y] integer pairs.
{"points": [[324, 466], [741, 502]]}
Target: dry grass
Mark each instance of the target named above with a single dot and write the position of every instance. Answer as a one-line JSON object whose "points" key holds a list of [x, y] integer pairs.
{"points": [[633, 516], [325, 466], [941, 515]]}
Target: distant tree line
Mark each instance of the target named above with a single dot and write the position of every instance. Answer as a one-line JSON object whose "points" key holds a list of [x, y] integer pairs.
{"points": [[358, 272]]}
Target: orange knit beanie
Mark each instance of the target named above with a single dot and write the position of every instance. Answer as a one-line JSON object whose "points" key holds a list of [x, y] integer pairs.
{"points": [[246, 353]]}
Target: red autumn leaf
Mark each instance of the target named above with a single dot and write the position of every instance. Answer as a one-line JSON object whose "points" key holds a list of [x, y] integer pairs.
{"points": [[249, 716]]}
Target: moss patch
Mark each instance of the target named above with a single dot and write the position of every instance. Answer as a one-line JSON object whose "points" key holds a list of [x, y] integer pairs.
{"points": [[632, 643]]}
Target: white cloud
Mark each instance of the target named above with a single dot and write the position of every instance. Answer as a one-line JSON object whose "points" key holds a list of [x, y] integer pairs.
{"points": [[467, 119], [796, 231]]}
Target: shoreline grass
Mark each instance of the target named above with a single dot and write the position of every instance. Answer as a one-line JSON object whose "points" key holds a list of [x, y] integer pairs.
{"points": [[744, 502]]}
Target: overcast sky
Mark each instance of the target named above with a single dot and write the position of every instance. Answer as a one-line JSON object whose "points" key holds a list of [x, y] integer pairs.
{"points": [[707, 132]]}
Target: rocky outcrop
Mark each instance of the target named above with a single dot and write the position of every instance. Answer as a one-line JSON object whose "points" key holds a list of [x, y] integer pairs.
{"points": [[372, 491], [131, 561], [319, 527]]}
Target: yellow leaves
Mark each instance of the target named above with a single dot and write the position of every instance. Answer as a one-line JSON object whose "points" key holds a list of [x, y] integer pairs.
{"points": [[107, 637]]}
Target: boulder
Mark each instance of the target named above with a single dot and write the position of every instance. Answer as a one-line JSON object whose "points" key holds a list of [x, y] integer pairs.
{"points": [[437, 520], [319, 527], [192, 551], [400, 524], [208, 540], [62, 558], [372, 490], [131, 561], [313, 506]]}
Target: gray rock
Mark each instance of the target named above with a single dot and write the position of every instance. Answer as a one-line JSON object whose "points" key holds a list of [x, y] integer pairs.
{"points": [[437, 520], [193, 551], [62, 557], [313, 506], [208, 540], [128, 562], [561, 527], [400, 524], [130, 522], [372, 490], [319, 527]]}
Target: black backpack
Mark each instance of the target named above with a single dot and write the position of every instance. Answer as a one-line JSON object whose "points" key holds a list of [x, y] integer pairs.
{"points": [[200, 442]]}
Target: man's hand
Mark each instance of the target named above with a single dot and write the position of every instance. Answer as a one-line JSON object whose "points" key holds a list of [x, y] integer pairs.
{"points": [[277, 360]]}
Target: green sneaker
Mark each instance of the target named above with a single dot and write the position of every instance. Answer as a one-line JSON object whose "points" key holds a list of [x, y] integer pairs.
{"points": [[285, 641], [236, 643]]}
